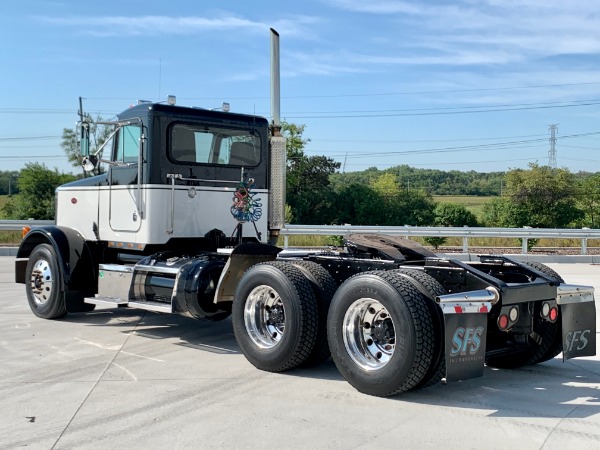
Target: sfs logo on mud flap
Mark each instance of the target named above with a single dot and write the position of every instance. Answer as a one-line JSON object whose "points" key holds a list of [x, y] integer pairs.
{"points": [[576, 339], [466, 341]]}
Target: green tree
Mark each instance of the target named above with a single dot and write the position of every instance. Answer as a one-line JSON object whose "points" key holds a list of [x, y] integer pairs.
{"points": [[308, 191], [70, 142], [383, 202], [454, 215], [450, 215], [541, 197], [588, 200], [8, 182], [37, 185]]}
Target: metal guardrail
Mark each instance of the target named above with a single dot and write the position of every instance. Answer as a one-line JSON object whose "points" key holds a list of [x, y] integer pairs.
{"points": [[463, 232], [17, 225]]}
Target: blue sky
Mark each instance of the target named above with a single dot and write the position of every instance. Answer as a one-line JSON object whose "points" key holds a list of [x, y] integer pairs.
{"points": [[451, 85]]}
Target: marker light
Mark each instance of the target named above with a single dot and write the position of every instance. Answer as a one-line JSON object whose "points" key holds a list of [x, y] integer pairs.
{"points": [[513, 314], [545, 309], [553, 314], [503, 322], [26, 229]]}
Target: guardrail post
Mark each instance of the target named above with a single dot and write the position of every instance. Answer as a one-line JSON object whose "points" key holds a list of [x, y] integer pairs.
{"points": [[465, 244], [285, 241], [524, 246], [584, 246]]}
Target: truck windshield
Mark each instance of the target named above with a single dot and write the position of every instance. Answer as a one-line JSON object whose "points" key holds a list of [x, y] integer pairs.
{"points": [[191, 143]]}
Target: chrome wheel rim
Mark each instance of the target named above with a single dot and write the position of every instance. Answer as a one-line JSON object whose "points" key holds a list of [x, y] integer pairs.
{"points": [[369, 335], [264, 316], [41, 281]]}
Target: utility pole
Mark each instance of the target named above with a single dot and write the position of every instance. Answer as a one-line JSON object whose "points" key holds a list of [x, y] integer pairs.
{"points": [[552, 151]]}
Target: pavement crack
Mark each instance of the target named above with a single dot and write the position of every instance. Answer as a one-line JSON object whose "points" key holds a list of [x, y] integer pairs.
{"points": [[97, 382]]}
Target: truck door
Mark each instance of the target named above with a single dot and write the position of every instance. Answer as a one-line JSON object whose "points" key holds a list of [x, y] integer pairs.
{"points": [[124, 199]]}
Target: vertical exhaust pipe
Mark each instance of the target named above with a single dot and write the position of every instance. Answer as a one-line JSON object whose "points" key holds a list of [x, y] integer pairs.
{"points": [[277, 144], [275, 83]]}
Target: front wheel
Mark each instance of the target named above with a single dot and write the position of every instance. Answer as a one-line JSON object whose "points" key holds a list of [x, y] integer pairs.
{"points": [[381, 333], [43, 283], [275, 316]]}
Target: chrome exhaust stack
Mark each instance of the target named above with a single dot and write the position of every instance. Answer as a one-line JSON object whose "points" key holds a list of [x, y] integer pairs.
{"points": [[277, 144]]}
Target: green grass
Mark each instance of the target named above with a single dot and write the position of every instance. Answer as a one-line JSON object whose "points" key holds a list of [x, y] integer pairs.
{"points": [[472, 202], [10, 237]]}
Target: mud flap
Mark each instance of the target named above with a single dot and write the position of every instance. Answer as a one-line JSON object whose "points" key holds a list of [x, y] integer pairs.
{"points": [[578, 312], [465, 331], [465, 336]]}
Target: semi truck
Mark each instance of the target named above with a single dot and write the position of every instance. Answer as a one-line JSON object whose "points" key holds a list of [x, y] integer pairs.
{"points": [[186, 219]]}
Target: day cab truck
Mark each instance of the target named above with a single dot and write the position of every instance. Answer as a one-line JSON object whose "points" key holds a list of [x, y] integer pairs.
{"points": [[185, 221]]}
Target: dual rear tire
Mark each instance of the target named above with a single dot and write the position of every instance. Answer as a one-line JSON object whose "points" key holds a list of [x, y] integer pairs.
{"points": [[381, 328]]}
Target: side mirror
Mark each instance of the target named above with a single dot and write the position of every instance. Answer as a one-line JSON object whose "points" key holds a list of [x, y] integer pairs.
{"points": [[84, 139]]}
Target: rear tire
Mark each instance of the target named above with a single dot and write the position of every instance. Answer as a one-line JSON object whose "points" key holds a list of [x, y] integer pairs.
{"points": [[542, 345], [380, 333], [324, 287], [432, 288], [43, 279], [275, 316]]}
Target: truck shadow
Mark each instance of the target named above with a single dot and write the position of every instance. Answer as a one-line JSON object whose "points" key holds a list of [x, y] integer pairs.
{"points": [[550, 390]]}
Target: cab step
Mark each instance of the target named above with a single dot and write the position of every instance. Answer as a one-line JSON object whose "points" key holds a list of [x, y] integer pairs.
{"points": [[120, 303], [107, 301]]}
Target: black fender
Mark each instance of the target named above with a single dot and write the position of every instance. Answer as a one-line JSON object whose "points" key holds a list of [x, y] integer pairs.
{"points": [[77, 264]]}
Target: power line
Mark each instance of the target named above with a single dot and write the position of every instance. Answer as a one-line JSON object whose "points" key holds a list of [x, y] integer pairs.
{"points": [[482, 147], [51, 111], [386, 94], [446, 108], [29, 138], [23, 157], [453, 163], [437, 112], [412, 141]]}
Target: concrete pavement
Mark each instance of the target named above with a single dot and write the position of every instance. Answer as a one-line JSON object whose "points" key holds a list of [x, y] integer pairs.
{"points": [[134, 379]]}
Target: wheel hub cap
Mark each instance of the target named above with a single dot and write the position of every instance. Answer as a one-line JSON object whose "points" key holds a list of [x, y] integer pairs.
{"points": [[368, 333], [264, 316], [41, 281]]}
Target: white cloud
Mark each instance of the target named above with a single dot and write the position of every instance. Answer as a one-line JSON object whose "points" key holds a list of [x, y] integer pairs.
{"points": [[160, 25], [474, 30]]}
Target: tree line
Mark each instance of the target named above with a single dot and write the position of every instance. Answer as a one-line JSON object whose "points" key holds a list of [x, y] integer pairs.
{"points": [[540, 196], [431, 181]]}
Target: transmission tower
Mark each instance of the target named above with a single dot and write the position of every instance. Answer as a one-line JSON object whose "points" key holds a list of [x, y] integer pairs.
{"points": [[552, 151]]}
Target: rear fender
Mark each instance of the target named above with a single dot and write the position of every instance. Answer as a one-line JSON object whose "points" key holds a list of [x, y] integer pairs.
{"points": [[242, 257]]}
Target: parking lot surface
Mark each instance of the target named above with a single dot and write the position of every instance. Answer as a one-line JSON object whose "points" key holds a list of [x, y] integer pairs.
{"points": [[114, 379]]}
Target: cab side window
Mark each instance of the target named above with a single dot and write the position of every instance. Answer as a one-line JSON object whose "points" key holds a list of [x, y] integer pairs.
{"points": [[128, 144]]}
